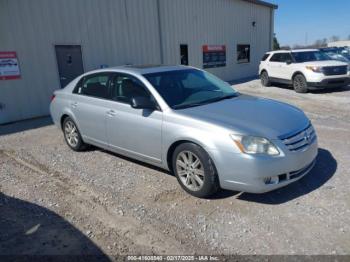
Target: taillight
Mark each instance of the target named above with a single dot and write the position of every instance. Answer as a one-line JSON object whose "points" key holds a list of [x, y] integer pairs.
{"points": [[53, 97]]}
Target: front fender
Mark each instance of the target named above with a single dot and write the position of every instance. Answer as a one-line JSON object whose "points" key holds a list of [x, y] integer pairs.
{"points": [[209, 138]]}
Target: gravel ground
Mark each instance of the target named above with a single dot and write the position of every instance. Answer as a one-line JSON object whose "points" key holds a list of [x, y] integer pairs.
{"points": [[56, 201]]}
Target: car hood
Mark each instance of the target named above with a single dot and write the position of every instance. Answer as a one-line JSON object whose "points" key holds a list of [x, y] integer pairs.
{"points": [[325, 63], [251, 116]]}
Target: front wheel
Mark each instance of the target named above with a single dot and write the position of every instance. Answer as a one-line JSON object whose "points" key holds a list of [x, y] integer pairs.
{"points": [[300, 84], [194, 170]]}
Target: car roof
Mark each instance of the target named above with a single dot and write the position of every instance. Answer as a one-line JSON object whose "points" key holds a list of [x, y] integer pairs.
{"points": [[142, 69], [292, 51], [330, 48]]}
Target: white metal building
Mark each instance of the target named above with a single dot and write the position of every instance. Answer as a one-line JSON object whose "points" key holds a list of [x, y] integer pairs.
{"points": [[44, 44], [345, 43]]}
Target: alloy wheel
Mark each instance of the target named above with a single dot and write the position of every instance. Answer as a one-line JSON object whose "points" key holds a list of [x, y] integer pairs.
{"points": [[190, 170]]}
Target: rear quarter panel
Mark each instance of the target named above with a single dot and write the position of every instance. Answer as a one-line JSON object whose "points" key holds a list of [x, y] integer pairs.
{"points": [[60, 106]]}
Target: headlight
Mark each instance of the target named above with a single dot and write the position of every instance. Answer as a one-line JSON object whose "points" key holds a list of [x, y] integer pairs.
{"points": [[255, 145], [316, 69]]}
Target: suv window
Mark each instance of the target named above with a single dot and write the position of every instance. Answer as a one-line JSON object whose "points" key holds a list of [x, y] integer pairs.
{"points": [[281, 57], [308, 56], [265, 57], [95, 85], [125, 87]]}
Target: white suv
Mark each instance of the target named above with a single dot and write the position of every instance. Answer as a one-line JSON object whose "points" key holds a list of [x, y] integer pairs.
{"points": [[304, 69]]}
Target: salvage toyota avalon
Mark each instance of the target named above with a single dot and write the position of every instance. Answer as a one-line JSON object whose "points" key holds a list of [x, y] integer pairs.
{"points": [[189, 122]]}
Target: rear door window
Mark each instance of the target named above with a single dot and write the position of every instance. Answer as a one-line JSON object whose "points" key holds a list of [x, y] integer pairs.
{"points": [[281, 57], [96, 85], [275, 58], [265, 57], [285, 57]]}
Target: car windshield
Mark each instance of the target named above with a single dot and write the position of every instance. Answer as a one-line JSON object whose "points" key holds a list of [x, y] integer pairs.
{"points": [[189, 88], [336, 56], [346, 54], [309, 56]]}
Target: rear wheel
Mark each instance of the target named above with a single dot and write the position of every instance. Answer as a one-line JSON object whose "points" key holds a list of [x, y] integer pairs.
{"points": [[194, 170], [265, 80], [300, 84], [72, 135]]}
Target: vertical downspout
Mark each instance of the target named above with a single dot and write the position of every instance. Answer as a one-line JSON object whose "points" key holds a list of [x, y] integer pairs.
{"points": [[129, 59], [160, 33], [272, 16]]}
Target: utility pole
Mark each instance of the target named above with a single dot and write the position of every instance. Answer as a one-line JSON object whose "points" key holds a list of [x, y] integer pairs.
{"points": [[306, 38]]}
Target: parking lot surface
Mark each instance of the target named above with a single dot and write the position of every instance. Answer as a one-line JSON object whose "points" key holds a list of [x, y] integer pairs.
{"points": [[56, 201]]}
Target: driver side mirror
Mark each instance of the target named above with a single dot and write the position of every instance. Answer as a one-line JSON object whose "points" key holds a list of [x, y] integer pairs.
{"points": [[140, 102]]}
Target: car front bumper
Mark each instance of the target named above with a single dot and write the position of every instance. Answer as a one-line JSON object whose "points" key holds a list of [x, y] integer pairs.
{"points": [[247, 173], [331, 82]]}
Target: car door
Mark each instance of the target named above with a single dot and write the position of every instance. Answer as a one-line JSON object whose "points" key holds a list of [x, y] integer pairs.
{"points": [[274, 66], [90, 106], [286, 67], [134, 132]]}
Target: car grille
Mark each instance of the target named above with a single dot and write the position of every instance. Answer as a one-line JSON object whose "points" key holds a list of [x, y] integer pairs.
{"points": [[301, 172], [335, 70], [296, 174], [301, 140]]}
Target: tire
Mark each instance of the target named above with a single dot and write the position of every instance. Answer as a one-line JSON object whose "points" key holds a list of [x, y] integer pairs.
{"points": [[202, 169], [265, 79], [300, 84], [72, 135]]}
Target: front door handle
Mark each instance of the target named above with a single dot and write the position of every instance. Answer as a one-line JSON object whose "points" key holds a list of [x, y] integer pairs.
{"points": [[74, 105], [111, 113]]}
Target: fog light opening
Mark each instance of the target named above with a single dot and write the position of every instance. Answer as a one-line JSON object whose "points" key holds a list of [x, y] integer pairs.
{"points": [[273, 180]]}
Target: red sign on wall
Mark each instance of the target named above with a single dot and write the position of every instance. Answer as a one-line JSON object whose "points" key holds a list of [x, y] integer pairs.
{"points": [[214, 56], [9, 67]]}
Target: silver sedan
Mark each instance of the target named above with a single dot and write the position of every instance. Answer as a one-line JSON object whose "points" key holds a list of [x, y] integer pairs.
{"points": [[189, 122]]}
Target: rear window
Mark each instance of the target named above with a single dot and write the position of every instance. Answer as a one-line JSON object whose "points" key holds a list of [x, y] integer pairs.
{"points": [[265, 57]]}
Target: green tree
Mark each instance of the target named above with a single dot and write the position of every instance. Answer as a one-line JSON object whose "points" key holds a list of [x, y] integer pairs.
{"points": [[320, 43], [276, 44]]}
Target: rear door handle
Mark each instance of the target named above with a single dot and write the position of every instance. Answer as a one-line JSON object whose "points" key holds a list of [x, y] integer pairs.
{"points": [[111, 113], [74, 105]]}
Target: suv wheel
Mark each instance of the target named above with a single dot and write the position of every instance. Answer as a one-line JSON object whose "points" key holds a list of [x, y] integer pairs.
{"points": [[265, 80], [194, 170], [72, 135], [300, 84]]}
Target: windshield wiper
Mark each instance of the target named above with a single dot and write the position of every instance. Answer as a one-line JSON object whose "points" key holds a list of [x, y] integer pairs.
{"points": [[213, 100]]}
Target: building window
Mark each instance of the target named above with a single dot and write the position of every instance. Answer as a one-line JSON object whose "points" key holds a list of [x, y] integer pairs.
{"points": [[184, 54], [243, 54]]}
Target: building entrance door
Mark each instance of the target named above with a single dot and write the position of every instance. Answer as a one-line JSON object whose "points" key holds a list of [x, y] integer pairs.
{"points": [[69, 62]]}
